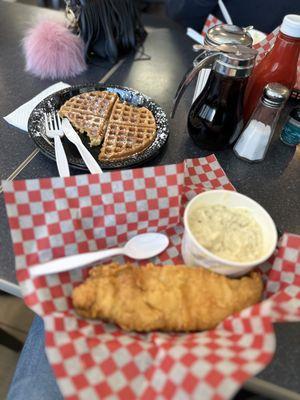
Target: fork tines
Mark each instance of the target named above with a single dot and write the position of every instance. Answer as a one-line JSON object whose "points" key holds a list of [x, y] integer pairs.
{"points": [[52, 121]]}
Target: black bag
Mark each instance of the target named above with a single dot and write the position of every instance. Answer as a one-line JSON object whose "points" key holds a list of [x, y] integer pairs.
{"points": [[109, 28]]}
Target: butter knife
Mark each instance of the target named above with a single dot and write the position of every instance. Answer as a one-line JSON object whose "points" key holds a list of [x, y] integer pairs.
{"points": [[73, 136]]}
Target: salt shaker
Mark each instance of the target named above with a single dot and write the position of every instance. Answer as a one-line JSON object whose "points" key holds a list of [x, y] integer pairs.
{"points": [[255, 139]]}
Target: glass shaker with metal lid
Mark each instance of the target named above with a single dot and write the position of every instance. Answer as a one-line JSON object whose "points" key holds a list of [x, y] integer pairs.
{"points": [[255, 139], [215, 119], [215, 36]]}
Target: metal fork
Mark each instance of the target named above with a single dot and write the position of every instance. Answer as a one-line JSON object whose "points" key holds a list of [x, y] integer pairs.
{"points": [[54, 131]]}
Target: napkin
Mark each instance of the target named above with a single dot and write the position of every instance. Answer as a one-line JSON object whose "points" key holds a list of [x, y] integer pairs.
{"points": [[53, 217], [20, 116]]}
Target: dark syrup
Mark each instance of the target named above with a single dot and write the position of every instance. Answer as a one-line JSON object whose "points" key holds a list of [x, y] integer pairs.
{"points": [[215, 119]]}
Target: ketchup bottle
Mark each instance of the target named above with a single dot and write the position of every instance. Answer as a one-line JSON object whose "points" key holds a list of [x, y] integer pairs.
{"points": [[279, 65]]}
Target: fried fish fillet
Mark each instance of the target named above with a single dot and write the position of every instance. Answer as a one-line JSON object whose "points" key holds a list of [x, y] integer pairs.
{"points": [[168, 298]]}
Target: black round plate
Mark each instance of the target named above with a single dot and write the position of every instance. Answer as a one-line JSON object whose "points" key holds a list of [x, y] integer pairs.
{"points": [[52, 103]]}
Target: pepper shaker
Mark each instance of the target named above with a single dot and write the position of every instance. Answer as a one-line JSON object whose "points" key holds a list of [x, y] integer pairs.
{"points": [[255, 139]]}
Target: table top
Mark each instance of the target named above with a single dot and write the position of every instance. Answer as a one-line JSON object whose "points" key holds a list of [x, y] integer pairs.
{"points": [[274, 183]]}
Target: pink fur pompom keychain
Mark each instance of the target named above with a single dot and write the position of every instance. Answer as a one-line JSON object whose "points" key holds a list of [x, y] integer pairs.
{"points": [[52, 51]]}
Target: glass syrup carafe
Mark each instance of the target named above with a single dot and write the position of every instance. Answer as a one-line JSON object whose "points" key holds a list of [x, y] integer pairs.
{"points": [[215, 119]]}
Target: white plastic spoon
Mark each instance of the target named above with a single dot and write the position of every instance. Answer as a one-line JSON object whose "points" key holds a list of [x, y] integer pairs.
{"points": [[139, 247]]}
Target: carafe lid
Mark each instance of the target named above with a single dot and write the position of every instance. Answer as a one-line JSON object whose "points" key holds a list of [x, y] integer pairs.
{"points": [[228, 34], [236, 64]]}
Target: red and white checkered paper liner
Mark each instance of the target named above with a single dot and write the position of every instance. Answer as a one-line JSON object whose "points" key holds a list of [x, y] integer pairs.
{"points": [[59, 216], [262, 47]]}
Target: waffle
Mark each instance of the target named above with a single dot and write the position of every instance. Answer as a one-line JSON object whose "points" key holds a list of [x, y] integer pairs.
{"points": [[121, 141], [88, 112], [126, 114], [126, 129], [91, 124], [97, 103]]}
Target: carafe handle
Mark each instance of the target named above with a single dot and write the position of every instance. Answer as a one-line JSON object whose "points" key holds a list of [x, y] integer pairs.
{"points": [[204, 60]]}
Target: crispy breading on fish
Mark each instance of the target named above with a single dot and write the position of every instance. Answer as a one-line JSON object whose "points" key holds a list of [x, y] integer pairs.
{"points": [[167, 298]]}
